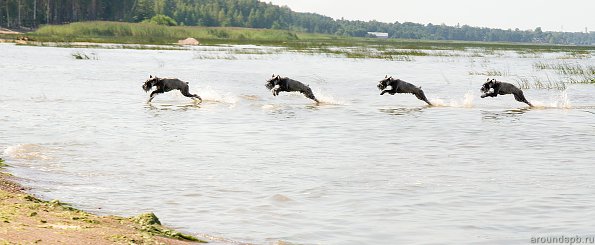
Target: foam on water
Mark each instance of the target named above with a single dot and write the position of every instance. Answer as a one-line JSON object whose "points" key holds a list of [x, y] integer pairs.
{"points": [[27, 152], [466, 102]]}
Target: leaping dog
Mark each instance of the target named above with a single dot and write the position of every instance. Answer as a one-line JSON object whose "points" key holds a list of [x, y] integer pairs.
{"points": [[400, 86], [283, 84], [493, 88], [163, 85]]}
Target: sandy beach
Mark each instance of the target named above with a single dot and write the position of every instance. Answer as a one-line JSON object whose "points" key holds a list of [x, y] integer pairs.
{"points": [[25, 219]]}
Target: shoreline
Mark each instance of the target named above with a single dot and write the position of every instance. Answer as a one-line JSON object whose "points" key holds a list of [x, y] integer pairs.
{"points": [[26, 219], [80, 34]]}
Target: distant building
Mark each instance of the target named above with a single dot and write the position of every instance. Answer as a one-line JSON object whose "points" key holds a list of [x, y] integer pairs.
{"points": [[378, 34]]}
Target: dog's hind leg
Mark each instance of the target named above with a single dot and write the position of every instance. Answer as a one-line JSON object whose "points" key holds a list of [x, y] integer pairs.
{"points": [[186, 92], [420, 95], [520, 97], [308, 93]]}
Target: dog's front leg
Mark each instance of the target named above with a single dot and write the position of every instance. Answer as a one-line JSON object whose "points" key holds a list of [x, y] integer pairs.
{"points": [[275, 90], [490, 93], [153, 94], [390, 91]]}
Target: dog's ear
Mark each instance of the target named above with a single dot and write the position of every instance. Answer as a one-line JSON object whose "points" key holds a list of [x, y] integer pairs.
{"points": [[386, 76], [273, 75], [150, 76]]}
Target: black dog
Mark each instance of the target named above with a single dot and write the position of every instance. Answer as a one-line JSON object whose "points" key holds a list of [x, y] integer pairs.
{"points": [[278, 84], [493, 88], [163, 85], [400, 86]]}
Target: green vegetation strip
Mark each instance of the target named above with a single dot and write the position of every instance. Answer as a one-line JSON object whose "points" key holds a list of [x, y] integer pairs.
{"points": [[147, 33]]}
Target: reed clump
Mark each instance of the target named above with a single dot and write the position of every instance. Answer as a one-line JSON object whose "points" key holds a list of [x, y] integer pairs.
{"points": [[538, 83], [566, 68]]}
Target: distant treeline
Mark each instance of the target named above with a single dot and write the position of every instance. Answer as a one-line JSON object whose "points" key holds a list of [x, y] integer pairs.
{"points": [[256, 14]]}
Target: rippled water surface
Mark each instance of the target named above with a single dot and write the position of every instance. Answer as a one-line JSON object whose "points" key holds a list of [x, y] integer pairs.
{"points": [[357, 169]]}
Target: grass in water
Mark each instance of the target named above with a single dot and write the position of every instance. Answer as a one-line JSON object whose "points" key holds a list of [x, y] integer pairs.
{"points": [[490, 73], [83, 56], [566, 68], [537, 83], [575, 73]]}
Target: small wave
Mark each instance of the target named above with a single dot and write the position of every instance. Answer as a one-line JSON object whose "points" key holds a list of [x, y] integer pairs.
{"points": [[209, 94], [466, 102], [28, 152]]}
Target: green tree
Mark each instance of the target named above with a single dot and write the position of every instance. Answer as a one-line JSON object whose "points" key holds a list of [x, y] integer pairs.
{"points": [[161, 19]]}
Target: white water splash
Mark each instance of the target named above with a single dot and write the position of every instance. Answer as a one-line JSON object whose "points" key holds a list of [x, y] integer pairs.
{"points": [[466, 102], [209, 94], [27, 152], [328, 99], [562, 102]]}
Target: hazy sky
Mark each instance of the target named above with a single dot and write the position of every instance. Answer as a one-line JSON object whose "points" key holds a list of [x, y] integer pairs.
{"points": [[550, 15]]}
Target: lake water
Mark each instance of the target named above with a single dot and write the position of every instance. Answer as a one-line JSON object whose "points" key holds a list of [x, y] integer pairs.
{"points": [[359, 168]]}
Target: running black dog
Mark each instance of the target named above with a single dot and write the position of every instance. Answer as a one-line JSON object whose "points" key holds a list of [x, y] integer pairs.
{"points": [[163, 85], [283, 84], [493, 88], [400, 86]]}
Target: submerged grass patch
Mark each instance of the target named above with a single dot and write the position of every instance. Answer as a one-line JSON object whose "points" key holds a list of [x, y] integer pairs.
{"points": [[83, 56], [576, 54], [581, 79], [566, 68], [490, 73], [575, 73]]}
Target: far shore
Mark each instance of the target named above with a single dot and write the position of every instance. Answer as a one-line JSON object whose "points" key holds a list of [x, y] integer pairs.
{"points": [[26, 219], [151, 34]]}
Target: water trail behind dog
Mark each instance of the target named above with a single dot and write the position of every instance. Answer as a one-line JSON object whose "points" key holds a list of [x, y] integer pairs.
{"points": [[328, 99], [209, 94], [562, 102], [465, 102]]}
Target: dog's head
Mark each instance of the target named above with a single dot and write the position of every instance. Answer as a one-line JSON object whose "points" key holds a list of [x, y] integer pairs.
{"points": [[384, 83], [270, 84], [150, 83], [489, 84]]}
